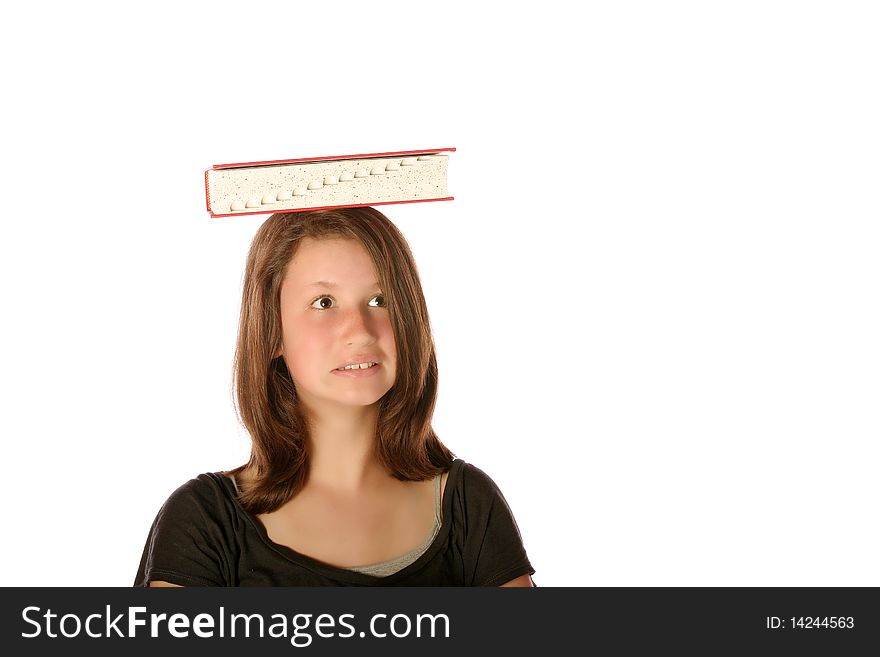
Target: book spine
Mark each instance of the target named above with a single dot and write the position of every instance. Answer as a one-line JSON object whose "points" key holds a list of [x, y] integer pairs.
{"points": [[208, 194]]}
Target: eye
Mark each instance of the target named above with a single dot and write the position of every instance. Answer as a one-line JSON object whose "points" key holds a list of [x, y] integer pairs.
{"points": [[325, 302], [318, 304]]}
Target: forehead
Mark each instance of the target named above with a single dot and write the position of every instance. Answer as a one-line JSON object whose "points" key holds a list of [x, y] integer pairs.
{"points": [[329, 259]]}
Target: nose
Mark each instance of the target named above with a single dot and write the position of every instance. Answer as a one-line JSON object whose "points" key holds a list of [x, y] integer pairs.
{"points": [[357, 328]]}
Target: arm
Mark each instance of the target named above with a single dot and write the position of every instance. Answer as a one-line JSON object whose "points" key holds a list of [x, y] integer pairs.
{"points": [[160, 583], [190, 542], [494, 553]]}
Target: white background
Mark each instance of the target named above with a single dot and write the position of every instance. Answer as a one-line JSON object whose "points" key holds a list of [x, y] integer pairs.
{"points": [[655, 295]]}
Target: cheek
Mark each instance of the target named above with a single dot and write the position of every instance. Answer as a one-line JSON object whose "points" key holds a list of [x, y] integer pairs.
{"points": [[389, 344], [386, 332], [304, 347]]}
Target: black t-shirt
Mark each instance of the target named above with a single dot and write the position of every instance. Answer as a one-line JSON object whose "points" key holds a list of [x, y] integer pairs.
{"points": [[202, 536]]}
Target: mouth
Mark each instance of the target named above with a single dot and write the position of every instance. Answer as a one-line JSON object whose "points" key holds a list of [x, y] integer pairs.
{"points": [[357, 366], [357, 370]]}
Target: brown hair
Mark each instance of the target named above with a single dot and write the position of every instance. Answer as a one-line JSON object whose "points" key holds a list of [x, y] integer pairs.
{"points": [[406, 444]]}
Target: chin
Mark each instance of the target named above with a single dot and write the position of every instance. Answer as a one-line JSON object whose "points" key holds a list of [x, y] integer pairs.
{"points": [[366, 401], [359, 398]]}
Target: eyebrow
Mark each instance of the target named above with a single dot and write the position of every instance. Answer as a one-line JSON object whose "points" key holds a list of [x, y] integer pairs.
{"points": [[331, 284]]}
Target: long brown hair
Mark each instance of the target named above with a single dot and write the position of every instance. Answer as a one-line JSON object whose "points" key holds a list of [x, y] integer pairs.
{"points": [[406, 444]]}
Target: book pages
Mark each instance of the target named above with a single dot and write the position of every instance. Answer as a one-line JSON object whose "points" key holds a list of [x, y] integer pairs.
{"points": [[304, 185]]}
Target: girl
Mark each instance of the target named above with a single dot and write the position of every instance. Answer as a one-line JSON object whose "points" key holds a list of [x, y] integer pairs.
{"points": [[347, 483]]}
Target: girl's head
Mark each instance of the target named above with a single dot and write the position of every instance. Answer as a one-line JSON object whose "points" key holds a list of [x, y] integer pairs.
{"points": [[322, 288], [335, 315]]}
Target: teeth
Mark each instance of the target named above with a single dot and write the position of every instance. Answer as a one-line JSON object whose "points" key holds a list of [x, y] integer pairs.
{"points": [[359, 366]]}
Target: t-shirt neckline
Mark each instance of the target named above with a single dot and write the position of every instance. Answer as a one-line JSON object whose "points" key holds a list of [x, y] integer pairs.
{"points": [[342, 574]]}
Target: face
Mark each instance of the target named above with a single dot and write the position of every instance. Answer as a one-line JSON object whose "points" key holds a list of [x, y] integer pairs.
{"points": [[333, 313]]}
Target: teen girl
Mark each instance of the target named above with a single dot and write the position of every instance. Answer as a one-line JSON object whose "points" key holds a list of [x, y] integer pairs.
{"points": [[347, 484]]}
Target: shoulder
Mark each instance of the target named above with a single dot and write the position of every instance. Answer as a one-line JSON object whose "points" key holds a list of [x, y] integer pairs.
{"points": [[208, 485], [474, 480], [203, 496], [491, 544], [475, 489], [194, 538]]}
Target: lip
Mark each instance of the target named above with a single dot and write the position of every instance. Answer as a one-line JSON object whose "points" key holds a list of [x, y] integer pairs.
{"points": [[358, 374], [360, 358]]}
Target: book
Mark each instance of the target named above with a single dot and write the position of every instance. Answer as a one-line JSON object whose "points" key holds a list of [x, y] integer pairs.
{"points": [[319, 183]]}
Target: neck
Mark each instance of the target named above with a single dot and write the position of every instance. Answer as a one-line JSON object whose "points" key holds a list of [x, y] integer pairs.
{"points": [[342, 445]]}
